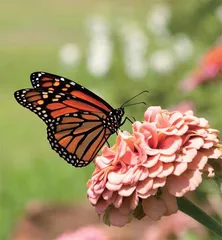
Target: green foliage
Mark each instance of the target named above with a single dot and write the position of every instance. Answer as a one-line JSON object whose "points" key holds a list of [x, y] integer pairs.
{"points": [[31, 35]]}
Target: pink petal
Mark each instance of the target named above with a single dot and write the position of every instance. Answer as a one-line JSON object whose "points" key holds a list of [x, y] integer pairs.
{"points": [[208, 144], [159, 182], [142, 156], [144, 186], [151, 113], [203, 122], [154, 208], [151, 161], [155, 170], [125, 208], [149, 193], [101, 206], [195, 142], [167, 158], [128, 176], [117, 219], [162, 121], [137, 174], [179, 185], [102, 162], [136, 126], [118, 201], [91, 193], [126, 191], [179, 168], [210, 170], [122, 148], [85, 233], [107, 152], [167, 170], [94, 200], [115, 178], [144, 174], [175, 117], [149, 131], [182, 130], [113, 198], [195, 178], [148, 150], [134, 201], [198, 162], [107, 194], [189, 155], [212, 153], [129, 157], [170, 202], [170, 145], [113, 187]]}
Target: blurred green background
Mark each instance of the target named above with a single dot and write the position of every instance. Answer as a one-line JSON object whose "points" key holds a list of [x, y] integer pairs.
{"points": [[32, 34]]}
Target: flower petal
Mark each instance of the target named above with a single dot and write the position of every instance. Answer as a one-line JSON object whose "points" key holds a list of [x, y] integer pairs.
{"points": [[170, 145], [144, 186], [179, 168], [126, 191], [170, 202], [179, 185], [154, 208], [167, 170], [155, 170], [117, 219]]}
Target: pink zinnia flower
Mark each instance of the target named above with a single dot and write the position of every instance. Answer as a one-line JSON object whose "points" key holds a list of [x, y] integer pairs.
{"points": [[85, 233], [209, 67], [183, 106], [175, 226], [143, 173]]}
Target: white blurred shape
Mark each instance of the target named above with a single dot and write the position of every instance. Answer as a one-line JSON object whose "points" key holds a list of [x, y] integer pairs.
{"points": [[135, 44], [158, 18], [183, 47], [218, 13], [100, 47], [70, 54], [162, 61]]}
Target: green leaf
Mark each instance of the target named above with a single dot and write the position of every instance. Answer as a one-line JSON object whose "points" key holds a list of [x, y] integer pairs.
{"points": [[139, 213], [196, 213]]}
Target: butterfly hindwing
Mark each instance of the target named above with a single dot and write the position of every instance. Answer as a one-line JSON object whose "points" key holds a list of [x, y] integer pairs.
{"points": [[75, 139]]}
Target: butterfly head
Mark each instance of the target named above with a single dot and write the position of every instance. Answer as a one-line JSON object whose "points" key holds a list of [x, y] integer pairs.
{"points": [[119, 112], [114, 119]]}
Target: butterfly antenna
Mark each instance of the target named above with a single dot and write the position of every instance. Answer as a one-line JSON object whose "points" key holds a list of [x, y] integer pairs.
{"points": [[145, 91], [135, 104]]}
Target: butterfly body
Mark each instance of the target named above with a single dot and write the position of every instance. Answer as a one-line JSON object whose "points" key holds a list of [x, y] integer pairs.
{"points": [[78, 121]]}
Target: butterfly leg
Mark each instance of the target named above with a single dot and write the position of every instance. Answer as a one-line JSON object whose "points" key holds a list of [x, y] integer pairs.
{"points": [[108, 143], [107, 139], [126, 118]]}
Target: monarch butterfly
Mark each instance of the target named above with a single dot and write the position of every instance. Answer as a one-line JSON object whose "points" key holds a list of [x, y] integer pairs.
{"points": [[78, 121]]}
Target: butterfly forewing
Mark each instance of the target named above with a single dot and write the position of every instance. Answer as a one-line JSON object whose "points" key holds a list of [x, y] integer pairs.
{"points": [[78, 120], [51, 82]]}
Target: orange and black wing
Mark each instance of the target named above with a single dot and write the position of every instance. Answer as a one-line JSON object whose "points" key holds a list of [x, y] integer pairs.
{"points": [[77, 137], [76, 128], [58, 84]]}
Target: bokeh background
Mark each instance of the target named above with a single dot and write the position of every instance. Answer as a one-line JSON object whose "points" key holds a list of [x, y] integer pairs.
{"points": [[115, 48]]}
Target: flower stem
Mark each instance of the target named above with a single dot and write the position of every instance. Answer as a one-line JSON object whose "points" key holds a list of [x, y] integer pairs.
{"points": [[195, 212]]}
